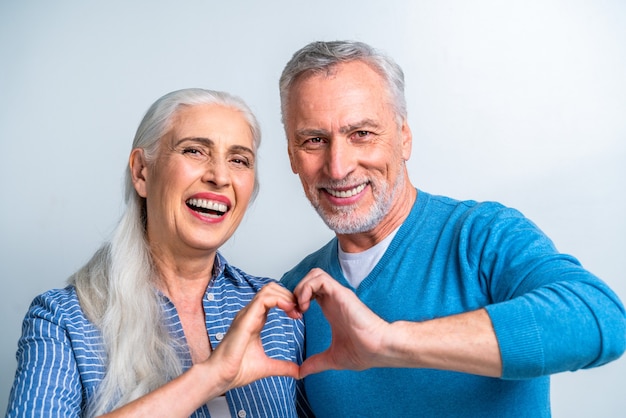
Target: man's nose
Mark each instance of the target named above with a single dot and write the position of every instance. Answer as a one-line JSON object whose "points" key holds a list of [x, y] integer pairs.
{"points": [[340, 159]]}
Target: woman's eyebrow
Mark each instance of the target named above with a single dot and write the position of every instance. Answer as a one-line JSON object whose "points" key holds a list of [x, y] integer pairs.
{"points": [[205, 141], [241, 148], [208, 142]]}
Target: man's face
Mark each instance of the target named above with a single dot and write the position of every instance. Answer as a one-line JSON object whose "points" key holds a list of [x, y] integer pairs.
{"points": [[347, 146]]}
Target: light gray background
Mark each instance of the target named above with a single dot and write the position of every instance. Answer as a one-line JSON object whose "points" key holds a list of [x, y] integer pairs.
{"points": [[523, 102]]}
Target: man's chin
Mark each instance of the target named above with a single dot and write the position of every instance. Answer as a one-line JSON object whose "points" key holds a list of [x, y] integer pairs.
{"points": [[340, 225]]}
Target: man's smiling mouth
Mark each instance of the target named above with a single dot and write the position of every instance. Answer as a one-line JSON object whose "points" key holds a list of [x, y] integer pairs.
{"points": [[346, 193]]}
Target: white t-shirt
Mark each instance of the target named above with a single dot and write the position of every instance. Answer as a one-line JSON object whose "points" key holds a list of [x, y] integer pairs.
{"points": [[356, 266]]}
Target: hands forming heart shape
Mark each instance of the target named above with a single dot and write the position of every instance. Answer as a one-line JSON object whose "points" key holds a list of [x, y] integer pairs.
{"points": [[464, 342], [357, 333]]}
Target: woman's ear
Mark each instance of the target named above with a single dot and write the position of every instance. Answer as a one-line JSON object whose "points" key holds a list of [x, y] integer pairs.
{"points": [[138, 171]]}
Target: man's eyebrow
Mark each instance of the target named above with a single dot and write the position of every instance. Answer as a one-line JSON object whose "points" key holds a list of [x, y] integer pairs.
{"points": [[365, 123], [312, 132]]}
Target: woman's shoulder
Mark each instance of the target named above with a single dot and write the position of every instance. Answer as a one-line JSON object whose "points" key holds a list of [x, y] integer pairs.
{"points": [[58, 305], [58, 298]]}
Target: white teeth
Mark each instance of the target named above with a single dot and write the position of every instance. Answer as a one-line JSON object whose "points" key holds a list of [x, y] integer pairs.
{"points": [[347, 193], [208, 204]]}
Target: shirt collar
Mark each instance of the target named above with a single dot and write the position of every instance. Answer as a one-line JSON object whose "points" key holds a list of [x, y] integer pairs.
{"points": [[222, 268]]}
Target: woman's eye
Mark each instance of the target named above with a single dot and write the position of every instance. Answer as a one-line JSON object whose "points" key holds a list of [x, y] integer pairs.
{"points": [[192, 151], [244, 162]]}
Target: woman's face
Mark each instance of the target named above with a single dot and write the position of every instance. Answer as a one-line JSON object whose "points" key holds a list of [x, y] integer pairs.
{"points": [[199, 186]]}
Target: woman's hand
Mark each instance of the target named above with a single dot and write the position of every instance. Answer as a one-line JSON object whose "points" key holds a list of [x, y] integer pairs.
{"points": [[240, 357], [237, 361]]}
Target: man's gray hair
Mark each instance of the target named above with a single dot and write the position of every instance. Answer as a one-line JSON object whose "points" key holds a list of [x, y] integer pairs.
{"points": [[320, 57]]}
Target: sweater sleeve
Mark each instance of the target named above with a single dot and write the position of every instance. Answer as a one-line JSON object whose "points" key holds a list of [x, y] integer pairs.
{"points": [[549, 314], [47, 382]]}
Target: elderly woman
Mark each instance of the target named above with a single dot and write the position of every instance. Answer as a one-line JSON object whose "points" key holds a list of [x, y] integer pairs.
{"points": [[149, 326]]}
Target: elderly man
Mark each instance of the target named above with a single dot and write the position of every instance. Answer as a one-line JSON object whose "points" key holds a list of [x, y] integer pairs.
{"points": [[422, 304]]}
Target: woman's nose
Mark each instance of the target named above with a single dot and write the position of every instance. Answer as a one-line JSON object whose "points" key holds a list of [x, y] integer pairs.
{"points": [[217, 173]]}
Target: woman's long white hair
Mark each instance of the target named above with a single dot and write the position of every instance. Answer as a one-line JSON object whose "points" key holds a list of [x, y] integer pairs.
{"points": [[115, 288]]}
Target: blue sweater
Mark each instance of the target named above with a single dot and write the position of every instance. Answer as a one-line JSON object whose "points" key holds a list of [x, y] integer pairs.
{"points": [[549, 314]]}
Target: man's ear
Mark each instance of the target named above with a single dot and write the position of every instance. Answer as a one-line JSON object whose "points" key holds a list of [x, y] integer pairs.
{"points": [[291, 157], [407, 140], [138, 171]]}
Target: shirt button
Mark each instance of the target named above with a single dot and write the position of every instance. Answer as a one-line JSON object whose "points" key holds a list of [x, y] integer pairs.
{"points": [[211, 297], [242, 414], [220, 337]]}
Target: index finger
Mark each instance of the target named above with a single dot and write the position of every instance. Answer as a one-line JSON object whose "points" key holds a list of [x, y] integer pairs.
{"points": [[284, 299], [316, 283]]}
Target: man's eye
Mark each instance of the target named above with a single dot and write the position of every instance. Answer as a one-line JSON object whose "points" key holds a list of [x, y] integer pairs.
{"points": [[315, 141], [362, 134]]}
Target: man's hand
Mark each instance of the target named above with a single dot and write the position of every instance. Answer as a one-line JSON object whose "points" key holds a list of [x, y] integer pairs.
{"points": [[357, 333], [361, 339]]}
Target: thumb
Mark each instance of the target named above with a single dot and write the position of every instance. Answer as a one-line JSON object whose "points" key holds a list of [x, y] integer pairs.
{"points": [[283, 368], [315, 364]]}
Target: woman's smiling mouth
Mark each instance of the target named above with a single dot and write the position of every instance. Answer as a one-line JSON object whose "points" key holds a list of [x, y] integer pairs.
{"points": [[208, 208]]}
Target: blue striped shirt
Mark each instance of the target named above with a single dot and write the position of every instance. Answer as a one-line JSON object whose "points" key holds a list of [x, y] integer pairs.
{"points": [[61, 358]]}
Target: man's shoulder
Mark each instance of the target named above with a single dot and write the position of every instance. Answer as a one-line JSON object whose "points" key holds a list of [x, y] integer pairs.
{"points": [[320, 258], [467, 210]]}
